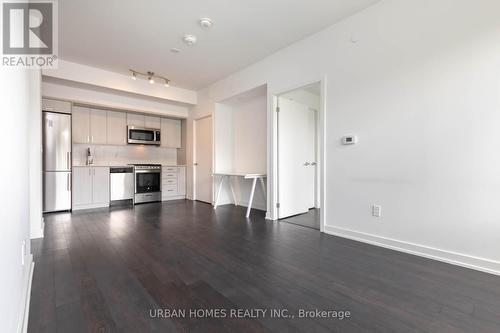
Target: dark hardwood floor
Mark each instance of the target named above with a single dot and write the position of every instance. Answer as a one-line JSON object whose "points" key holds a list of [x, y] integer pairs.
{"points": [[311, 219], [109, 270]]}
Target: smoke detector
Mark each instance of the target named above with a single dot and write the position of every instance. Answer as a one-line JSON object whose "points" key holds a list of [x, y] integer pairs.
{"points": [[189, 39], [206, 23]]}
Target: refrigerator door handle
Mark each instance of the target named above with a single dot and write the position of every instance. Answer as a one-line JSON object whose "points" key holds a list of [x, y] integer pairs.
{"points": [[68, 182]]}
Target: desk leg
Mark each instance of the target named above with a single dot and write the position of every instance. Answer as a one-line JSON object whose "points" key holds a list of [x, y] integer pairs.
{"points": [[250, 201], [263, 187], [218, 192], [232, 191]]}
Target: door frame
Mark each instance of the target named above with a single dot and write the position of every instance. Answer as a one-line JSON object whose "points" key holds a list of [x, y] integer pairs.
{"points": [[274, 197], [195, 132]]}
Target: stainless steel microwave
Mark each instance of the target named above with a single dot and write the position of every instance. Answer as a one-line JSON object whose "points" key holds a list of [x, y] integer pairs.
{"points": [[143, 136]]}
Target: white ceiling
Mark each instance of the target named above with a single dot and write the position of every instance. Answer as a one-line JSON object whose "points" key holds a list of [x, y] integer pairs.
{"points": [[121, 34]]}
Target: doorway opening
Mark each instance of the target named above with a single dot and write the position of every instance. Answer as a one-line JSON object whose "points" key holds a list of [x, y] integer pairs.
{"points": [[298, 156]]}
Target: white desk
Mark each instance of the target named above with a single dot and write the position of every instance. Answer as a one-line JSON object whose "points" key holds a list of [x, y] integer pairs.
{"points": [[253, 176]]}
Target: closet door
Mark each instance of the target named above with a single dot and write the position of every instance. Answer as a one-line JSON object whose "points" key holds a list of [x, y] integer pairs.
{"points": [[203, 160], [296, 175]]}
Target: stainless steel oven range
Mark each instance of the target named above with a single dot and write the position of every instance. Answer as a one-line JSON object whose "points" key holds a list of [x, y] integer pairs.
{"points": [[147, 183]]}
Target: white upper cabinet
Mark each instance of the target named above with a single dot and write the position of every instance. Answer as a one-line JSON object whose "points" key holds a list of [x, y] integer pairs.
{"points": [[171, 133], [53, 105], [134, 119], [117, 128], [98, 126], [81, 125], [152, 122]]}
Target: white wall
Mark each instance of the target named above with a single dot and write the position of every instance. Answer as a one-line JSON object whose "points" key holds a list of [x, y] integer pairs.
{"points": [[419, 83], [35, 156], [250, 141], [18, 88]]}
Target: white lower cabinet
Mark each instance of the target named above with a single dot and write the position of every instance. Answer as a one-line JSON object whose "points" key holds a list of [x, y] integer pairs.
{"points": [[90, 187], [173, 183]]}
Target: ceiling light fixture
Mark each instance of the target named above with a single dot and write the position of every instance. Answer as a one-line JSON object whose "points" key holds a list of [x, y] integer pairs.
{"points": [[150, 76], [206, 23], [189, 39]]}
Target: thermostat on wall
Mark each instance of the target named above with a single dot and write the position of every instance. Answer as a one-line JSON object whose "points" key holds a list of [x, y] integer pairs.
{"points": [[349, 140]]}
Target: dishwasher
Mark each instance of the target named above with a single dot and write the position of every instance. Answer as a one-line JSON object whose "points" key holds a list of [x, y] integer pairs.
{"points": [[121, 181]]}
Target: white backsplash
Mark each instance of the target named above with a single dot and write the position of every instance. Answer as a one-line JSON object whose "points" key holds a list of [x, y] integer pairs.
{"points": [[122, 155]]}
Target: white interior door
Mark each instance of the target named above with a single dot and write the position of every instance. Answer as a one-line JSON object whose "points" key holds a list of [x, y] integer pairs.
{"points": [[203, 160], [296, 158]]}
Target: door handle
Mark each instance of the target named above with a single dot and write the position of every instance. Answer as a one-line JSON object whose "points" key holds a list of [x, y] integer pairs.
{"points": [[195, 164], [307, 164], [313, 163], [68, 182]]}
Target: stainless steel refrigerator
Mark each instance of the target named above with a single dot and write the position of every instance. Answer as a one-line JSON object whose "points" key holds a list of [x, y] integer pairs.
{"points": [[56, 162]]}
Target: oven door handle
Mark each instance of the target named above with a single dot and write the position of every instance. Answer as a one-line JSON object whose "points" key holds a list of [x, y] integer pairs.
{"points": [[147, 171]]}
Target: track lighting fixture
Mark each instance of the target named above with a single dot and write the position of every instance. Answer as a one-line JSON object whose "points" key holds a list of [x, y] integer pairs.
{"points": [[150, 76]]}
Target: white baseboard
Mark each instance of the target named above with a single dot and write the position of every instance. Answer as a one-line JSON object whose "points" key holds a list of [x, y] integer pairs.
{"points": [[22, 326], [38, 232], [459, 259]]}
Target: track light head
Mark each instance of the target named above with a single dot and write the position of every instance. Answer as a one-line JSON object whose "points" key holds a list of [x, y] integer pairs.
{"points": [[150, 77]]}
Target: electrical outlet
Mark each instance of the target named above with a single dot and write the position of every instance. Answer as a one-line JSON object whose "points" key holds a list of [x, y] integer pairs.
{"points": [[376, 210]]}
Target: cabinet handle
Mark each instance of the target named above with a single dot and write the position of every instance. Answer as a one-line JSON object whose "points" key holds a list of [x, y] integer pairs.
{"points": [[92, 138], [68, 181], [88, 138], [307, 164]]}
